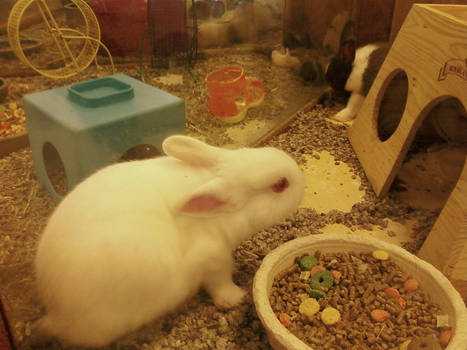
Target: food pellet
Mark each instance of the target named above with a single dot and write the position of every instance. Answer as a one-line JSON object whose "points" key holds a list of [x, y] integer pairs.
{"points": [[309, 307], [380, 254], [316, 269], [445, 337], [330, 316], [285, 319], [442, 321], [316, 293], [305, 275], [411, 285], [402, 302], [337, 275], [322, 279], [379, 315], [307, 262], [392, 292]]}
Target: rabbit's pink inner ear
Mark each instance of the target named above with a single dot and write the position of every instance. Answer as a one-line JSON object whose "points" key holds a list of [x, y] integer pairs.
{"points": [[203, 204]]}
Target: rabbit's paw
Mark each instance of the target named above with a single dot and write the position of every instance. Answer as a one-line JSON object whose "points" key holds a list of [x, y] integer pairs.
{"points": [[344, 115], [228, 296]]}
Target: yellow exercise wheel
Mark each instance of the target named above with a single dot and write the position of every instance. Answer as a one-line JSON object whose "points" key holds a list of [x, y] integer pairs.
{"points": [[64, 51]]}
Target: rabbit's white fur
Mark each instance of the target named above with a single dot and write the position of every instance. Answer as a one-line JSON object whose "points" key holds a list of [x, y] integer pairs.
{"points": [[136, 239], [354, 83]]}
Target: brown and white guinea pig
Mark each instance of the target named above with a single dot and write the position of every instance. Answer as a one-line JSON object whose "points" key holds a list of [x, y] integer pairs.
{"points": [[354, 70], [136, 239]]}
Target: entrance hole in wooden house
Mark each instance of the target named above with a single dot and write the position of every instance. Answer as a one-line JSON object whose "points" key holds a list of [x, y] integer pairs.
{"points": [[434, 161], [392, 104]]}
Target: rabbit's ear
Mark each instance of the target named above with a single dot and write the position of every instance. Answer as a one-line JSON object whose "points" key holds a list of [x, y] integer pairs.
{"points": [[348, 42], [190, 150], [212, 197], [347, 52]]}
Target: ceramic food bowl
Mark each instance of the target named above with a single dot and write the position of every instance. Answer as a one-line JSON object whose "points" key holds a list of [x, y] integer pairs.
{"points": [[11, 144], [433, 282]]}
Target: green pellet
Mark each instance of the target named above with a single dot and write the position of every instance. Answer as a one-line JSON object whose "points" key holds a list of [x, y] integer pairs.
{"points": [[307, 262], [316, 293]]}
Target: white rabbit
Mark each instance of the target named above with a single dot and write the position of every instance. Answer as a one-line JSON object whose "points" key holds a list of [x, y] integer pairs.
{"points": [[136, 239], [354, 71]]}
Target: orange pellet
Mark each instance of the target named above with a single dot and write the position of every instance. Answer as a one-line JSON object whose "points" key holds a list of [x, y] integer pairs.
{"points": [[402, 302], [392, 292], [411, 285], [445, 337], [285, 319], [337, 275], [316, 269], [379, 315]]}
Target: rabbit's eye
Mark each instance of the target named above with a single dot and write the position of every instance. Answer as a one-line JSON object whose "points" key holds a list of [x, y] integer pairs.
{"points": [[280, 185]]}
